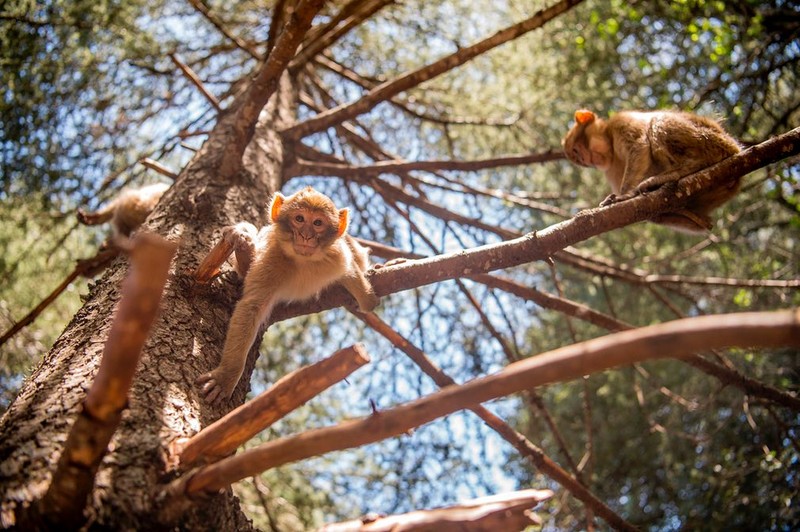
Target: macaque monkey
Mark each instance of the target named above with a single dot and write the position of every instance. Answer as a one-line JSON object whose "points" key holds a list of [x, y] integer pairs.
{"points": [[127, 211], [303, 250], [639, 151]]}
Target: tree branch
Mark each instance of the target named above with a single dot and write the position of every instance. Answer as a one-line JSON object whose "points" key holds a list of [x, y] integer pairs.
{"points": [[195, 79], [412, 79], [87, 443], [225, 435], [668, 340]]}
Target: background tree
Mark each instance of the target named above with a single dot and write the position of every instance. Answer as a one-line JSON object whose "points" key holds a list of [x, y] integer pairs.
{"points": [[405, 112]]}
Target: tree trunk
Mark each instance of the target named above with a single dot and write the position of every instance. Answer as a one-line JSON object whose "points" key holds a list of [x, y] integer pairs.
{"points": [[185, 341]]}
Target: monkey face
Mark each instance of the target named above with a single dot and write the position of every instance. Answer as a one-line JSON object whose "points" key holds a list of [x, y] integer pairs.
{"points": [[311, 231]]}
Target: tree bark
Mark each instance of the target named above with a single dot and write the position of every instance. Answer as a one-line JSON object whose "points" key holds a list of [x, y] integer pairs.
{"points": [[185, 341]]}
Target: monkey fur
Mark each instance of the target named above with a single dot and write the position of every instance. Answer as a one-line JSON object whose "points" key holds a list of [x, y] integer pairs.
{"points": [[303, 250], [640, 150], [127, 211]]}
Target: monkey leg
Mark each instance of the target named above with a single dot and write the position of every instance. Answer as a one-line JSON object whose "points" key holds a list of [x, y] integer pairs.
{"points": [[94, 218], [685, 221], [240, 238], [653, 182]]}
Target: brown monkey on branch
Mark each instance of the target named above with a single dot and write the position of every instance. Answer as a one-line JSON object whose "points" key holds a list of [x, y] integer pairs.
{"points": [[304, 249], [127, 211], [639, 151]]}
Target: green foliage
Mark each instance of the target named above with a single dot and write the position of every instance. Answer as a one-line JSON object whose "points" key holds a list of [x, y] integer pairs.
{"points": [[36, 258]]}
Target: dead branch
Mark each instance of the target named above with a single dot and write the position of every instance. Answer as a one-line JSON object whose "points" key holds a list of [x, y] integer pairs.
{"points": [[507, 511], [87, 443], [668, 340], [158, 167], [548, 242], [524, 446], [386, 167], [84, 267], [412, 79], [193, 77], [224, 436]]}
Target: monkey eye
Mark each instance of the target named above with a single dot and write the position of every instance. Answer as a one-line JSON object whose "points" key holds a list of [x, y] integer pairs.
{"points": [[318, 222], [299, 218]]}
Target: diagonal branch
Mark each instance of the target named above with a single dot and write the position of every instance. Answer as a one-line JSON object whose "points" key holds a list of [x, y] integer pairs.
{"points": [[240, 43], [674, 339], [524, 446], [351, 16], [196, 81], [412, 79]]}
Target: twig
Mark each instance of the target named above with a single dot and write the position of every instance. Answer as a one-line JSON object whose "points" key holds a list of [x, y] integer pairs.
{"points": [[87, 443], [86, 267], [158, 167], [195, 79], [199, 6], [222, 437]]}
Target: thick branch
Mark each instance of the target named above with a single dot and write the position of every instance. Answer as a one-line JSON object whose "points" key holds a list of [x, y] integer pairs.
{"points": [[88, 440], [410, 80], [674, 339], [225, 435]]}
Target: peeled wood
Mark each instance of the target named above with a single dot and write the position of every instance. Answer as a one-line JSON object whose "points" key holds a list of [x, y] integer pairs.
{"points": [[150, 257], [673, 339], [507, 512], [293, 390]]}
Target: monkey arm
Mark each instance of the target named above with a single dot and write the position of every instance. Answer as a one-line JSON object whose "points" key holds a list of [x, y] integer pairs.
{"points": [[360, 288], [240, 238], [251, 311]]}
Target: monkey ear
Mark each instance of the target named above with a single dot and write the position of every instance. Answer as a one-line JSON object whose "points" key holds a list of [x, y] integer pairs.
{"points": [[275, 206], [344, 220], [584, 116]]}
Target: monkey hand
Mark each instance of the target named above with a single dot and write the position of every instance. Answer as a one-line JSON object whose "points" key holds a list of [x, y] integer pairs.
{"points": [[217, 387], [368, 302]]}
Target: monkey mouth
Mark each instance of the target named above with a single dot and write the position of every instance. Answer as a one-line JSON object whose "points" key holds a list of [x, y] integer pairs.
{"points": [[305, 249]]}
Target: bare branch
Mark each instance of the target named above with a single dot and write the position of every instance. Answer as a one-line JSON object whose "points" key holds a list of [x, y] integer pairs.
{"points": [[508, 511], [351, 16], [523, 445], [668, 340], [412, 79], [225, 435], [242, 122], [150, 257], [158, 167], [195, 79], [199, 6]]}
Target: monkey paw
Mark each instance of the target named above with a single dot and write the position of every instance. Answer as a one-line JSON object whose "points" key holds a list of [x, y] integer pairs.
{"points": [[216, 389], [611, 199], [369, 303]]}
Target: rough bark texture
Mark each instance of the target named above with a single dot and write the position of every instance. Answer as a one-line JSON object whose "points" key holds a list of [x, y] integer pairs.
{"points": [[185, 341]]}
